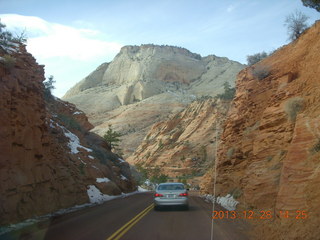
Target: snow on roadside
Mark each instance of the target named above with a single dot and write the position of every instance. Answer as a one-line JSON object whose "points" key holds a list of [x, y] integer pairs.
{"points": [[141, 189], [228, 202], [95, 196], [12, 227]]}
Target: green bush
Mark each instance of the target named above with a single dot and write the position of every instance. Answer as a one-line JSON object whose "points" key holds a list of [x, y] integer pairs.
{"points": [[8, 61], [253, 59], [70, 122], [228, 93]]}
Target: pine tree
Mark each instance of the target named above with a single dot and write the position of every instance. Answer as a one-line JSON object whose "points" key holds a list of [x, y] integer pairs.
{"points": [[312, 4], [112, 137]]}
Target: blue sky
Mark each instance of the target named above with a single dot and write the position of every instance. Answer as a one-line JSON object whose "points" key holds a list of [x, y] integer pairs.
{"points": [[73, 37]]}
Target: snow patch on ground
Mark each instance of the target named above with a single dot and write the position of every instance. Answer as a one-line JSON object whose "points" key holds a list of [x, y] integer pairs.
{"points": [[121, 160], [102, 199], [95, 196], [141, 189], [75, 113], [123, 178], [74, 142], [228, 202], [100, 180]]}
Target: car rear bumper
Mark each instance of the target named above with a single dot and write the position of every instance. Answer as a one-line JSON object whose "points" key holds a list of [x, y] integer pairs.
{"points": [[171, 202]]}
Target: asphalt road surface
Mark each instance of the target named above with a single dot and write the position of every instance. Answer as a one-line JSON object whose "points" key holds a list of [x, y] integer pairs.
{"points": [[133, 218]]}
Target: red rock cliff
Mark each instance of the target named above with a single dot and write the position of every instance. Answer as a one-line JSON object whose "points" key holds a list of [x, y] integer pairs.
{"points": [[270, 148], [47, 156]]}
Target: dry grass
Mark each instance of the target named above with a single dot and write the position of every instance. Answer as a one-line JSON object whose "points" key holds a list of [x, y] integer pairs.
{"points": [[293, 106]]}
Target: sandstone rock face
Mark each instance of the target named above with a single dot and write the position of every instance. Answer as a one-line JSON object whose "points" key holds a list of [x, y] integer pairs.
{"points": [[144, 84], [185, 144], [269, 152], [48, 157]]}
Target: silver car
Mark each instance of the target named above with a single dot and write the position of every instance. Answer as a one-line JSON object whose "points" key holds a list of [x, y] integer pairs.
{"points": [[171, 194]]}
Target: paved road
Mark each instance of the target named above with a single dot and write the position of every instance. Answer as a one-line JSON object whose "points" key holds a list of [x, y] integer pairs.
{"points": [[133, 218]]}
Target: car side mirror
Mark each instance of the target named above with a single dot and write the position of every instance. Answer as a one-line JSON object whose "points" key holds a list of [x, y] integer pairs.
{"points": [[188, 189]]}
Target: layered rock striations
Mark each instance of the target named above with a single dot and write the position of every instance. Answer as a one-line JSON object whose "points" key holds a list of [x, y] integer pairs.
{"points": [[144, 84], [269, 153], [49, 159], [184, 145]]}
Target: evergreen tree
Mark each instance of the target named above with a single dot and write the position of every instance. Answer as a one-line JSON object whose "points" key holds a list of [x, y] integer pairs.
{"points": [[312, 4], [48, 87], [112, 137], [229, 92]]}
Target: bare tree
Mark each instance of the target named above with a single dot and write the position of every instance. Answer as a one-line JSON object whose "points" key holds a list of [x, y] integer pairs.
{"points": [[312, 4], [296, 23]]}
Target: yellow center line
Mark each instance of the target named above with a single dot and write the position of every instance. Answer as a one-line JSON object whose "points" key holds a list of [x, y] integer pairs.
{"points": [[125, 228]]}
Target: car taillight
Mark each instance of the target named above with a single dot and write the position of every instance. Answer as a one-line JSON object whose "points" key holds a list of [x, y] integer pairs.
{"points": [[183, 194], [158, 195]]}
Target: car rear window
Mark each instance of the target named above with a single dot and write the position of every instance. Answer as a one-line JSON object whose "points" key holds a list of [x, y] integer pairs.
{"points": [[171, 187]]}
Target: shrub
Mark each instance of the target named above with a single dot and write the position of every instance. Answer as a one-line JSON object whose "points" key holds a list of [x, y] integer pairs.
{"points": [[69, 122], [103, 155], [261, 72], [292, 107], [316, 147], [81, 168], [236, 193], [230, 153], [253, 59], [8, 61]]}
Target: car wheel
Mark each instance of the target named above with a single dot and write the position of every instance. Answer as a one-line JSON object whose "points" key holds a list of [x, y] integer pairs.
{"points": [[156, 208], [186, 207]]}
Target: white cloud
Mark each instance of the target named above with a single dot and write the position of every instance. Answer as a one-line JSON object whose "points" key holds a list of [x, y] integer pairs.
{"points": [[47, 40]]}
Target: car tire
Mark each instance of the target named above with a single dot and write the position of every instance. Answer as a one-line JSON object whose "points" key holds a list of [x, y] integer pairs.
{"points": [[186, 208], [156, 208]]}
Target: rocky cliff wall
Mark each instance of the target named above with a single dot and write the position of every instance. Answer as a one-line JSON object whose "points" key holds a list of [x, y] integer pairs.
{"points": [[48, 158], [184, 145], [145, 84], [269, 152]]}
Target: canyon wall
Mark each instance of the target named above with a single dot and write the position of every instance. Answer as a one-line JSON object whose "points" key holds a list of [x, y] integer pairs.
{"points": [[48, 156], [269, 153]]}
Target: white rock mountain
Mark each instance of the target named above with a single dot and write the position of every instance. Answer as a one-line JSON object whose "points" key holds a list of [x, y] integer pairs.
{"points": [[144, 84]]}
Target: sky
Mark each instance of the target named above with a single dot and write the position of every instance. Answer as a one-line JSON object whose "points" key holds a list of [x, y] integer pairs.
{"points": [[73, 37]]}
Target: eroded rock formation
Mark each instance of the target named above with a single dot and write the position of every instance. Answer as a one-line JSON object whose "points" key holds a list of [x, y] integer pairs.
{"points": [[269, 152], [48, 158], [145, 84], [184, 145]]}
